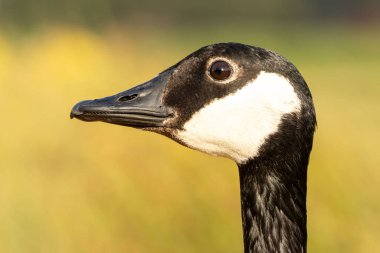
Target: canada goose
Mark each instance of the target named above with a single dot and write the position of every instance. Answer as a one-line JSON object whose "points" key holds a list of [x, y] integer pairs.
{"points": [[241, 102]]}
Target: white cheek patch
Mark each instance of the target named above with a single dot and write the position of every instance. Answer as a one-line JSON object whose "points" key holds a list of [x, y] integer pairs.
{"points": [[236, 126]]}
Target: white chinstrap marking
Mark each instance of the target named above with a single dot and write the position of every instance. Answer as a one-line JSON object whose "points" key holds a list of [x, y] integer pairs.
{"points": [[237, 125]]}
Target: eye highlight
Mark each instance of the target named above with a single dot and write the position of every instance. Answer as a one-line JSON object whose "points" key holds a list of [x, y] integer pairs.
{"points": [[220, 70]]}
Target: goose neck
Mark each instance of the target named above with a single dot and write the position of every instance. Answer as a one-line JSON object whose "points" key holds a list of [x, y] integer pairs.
{"points": [[273, 205]]}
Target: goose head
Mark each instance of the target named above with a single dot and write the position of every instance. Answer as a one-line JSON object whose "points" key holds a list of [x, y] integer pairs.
{"points": [[225, 99]]}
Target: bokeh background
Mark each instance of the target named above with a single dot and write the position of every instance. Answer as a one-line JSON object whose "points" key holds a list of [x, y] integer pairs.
{"points": [[70, 186]]}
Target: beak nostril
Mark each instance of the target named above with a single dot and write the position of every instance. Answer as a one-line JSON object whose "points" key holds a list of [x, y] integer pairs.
{"points": [[127, 98]]}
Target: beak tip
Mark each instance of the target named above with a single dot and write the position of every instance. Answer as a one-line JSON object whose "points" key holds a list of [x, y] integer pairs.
{"points": [[76, 111], [74, 114]]}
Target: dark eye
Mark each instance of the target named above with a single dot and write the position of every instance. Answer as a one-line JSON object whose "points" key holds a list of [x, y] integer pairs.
{"points": [[220, 70]]}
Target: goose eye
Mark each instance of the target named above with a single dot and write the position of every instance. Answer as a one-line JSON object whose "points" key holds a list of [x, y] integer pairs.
{"points": [[220, 70]]}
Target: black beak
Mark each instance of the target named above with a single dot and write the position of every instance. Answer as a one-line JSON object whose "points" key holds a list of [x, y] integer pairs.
{"points": [[139, 107]]}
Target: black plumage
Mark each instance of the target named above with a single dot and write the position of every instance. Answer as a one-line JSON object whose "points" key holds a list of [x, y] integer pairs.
{"points": [[273, 181]]}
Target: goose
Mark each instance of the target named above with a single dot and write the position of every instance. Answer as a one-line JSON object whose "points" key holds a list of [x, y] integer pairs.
{"points": [[237, 101]]}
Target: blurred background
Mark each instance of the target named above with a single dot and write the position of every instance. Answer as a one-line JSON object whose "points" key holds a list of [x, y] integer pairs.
{"points": [[69, 186]]}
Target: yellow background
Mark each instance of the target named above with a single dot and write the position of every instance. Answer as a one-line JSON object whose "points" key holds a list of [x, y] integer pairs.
{"points": [[70, 186]]}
